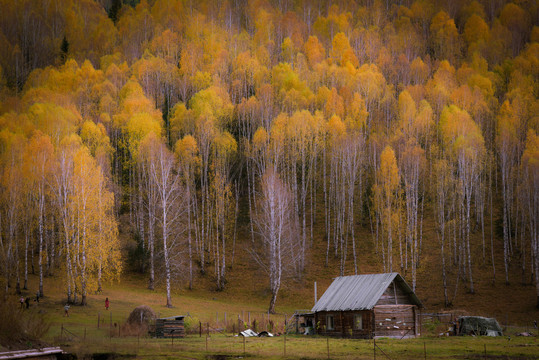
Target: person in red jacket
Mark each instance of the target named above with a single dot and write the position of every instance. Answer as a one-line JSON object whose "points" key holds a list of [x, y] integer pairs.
{"points": [[107, 303]]}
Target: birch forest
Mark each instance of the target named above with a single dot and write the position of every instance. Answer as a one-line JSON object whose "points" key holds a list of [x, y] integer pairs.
{"points": [[162, 136]]}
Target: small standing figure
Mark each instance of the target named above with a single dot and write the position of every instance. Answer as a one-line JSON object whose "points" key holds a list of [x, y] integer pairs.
{"points": [[37, 296], [535, 324], [66, 310], [21, 300], [27, 302], [107, 303]]}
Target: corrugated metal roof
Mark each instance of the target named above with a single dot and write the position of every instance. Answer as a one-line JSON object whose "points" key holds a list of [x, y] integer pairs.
{"points": [[360, 292]]}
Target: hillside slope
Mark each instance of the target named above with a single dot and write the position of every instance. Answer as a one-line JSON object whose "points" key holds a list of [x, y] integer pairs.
{"points": [[246, 282]]}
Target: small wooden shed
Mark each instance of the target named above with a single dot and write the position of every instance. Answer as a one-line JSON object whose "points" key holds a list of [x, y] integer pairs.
{"points": [[170, 327], [367, 306]]}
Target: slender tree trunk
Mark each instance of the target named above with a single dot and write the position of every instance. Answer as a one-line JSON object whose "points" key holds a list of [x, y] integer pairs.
{"points": [[40, 262], [468, 244], [17, 269], [442, 235], [189, 240], [491, 229], [326, 212], [165, 253], [506, 239], [236, 214], [68, 268], [273, 300], [250, 191], [25, 287], [151, 245], [52, 248]]}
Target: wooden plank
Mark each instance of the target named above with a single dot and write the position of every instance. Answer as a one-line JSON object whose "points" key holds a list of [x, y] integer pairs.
{"points": [[50, 352]]}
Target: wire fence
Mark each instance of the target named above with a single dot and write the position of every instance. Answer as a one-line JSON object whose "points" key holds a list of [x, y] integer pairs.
{"points": [[220, 335], [449, 318]]}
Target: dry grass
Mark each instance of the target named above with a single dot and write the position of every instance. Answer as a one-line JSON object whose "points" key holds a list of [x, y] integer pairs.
{"points": [[20, 328]]}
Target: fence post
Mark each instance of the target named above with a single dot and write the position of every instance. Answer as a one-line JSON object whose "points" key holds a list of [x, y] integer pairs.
{"points": [[206, 344], [62, 332], [328, 345], [200, 327], [110, 327], [485, 345], [425, 349], [420, 323], [374, 349], [208, 329], [285, 344]]}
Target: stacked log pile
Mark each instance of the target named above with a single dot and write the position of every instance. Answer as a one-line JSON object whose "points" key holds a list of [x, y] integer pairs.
{"points": [[170, 327]]}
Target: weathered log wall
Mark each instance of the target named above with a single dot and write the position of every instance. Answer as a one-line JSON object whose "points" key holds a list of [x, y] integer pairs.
{"points": [[397, 321], [344, 324]]}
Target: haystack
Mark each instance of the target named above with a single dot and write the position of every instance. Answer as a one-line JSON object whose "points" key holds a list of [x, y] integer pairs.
{"points": [[142, 315]]}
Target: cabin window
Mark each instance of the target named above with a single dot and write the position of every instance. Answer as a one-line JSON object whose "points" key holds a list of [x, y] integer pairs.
{"points": [[330, 325], [358, 321]]}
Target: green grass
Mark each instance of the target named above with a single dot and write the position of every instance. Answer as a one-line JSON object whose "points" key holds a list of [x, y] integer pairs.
{"points": [[301, 347]]}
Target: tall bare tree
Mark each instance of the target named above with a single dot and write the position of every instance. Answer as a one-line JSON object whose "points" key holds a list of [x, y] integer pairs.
{"points": [[278, 231], [167, 181]]}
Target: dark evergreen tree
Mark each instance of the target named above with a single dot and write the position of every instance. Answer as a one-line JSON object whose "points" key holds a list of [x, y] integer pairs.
{"points": [[64, 49]]}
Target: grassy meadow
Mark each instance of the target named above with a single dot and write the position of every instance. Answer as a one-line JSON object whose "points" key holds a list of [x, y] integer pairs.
{"points": [[80, 333]]}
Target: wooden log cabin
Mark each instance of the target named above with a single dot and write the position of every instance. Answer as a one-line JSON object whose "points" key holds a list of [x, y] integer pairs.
{"points": [[368, 306]]}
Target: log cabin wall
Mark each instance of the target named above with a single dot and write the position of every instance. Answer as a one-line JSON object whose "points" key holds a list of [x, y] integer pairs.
{"points": [[396, 321], [343, 324]]}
